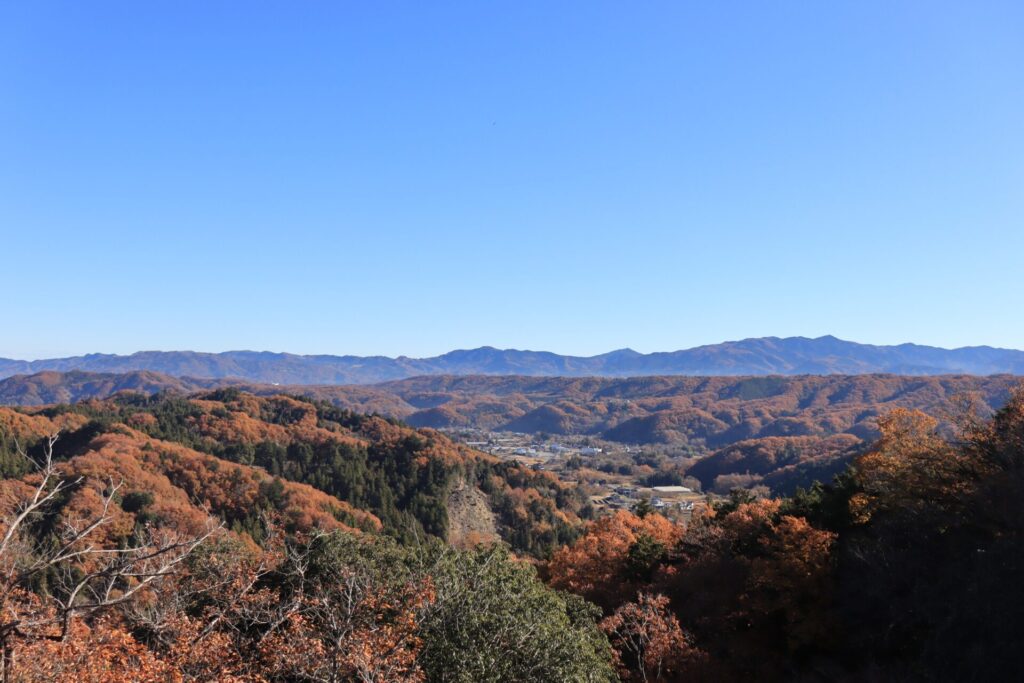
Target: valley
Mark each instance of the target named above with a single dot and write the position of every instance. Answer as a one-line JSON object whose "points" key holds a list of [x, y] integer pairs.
{"points": [[718, 433]]}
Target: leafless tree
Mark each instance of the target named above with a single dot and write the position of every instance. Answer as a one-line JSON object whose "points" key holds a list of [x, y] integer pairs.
{"points": [[84, 577]]}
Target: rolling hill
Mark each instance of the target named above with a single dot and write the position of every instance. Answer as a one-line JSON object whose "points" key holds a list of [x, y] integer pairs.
{"points": [[787, 430], [306, 462], [709, 412]]}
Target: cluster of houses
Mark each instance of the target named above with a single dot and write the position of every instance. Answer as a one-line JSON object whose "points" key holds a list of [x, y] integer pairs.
{"points": [[627, 497], [553, 448]]}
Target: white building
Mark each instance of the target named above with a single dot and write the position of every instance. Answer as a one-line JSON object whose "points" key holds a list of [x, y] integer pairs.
{"points": [[672, 489]]}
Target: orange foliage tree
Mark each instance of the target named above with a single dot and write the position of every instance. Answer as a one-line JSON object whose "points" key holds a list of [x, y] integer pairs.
{"points": [[910, 469], [86, 577], [599, 565], [648, 642], [100, 652], [756, 583], [318, 608]]}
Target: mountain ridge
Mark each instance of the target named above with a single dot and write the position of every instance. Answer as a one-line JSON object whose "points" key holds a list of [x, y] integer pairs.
{"points": [[826, 355]]}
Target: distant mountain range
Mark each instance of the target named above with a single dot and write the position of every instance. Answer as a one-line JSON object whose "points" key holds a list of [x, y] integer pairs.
{"points": [[762, 356]]}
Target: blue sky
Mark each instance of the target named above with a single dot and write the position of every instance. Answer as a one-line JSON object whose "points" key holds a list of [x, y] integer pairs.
{"points": [[408, 178]]}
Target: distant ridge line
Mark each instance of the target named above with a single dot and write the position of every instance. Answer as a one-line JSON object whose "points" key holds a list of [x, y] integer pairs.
{"points": [[826, 355]]}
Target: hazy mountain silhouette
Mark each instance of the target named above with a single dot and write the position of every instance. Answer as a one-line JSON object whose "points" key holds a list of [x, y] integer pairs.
{"points": [[761, 356]]}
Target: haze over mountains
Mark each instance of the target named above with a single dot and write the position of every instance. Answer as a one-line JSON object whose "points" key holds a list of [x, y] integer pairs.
{"points": [[760, 356]]}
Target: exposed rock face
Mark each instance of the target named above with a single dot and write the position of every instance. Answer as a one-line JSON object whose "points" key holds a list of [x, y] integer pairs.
{"points": [[470, 518]]}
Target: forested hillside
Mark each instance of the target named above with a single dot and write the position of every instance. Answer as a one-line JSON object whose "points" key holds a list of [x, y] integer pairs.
{"points": [[779, 431], [703, 411], [708, 411], [364, 471], [906, 567], [239, 538]]}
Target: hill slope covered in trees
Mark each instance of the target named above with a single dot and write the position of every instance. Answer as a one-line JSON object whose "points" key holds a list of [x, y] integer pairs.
{"points": [[784, 431], [263, 454], [708, 411], [114, 569], [905, 567]]}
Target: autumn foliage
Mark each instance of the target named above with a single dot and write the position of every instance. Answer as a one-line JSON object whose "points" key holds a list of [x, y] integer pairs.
{"points": [[302, 582], [753, 581], [600, 567], [648, 642], [905, 567]]}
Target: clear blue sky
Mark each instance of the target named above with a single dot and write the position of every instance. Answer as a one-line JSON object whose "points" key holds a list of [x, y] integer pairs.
{"points": [[379, 177]]}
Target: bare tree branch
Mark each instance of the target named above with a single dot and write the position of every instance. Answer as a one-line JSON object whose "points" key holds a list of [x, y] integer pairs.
{"points": [[91, 578]]}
